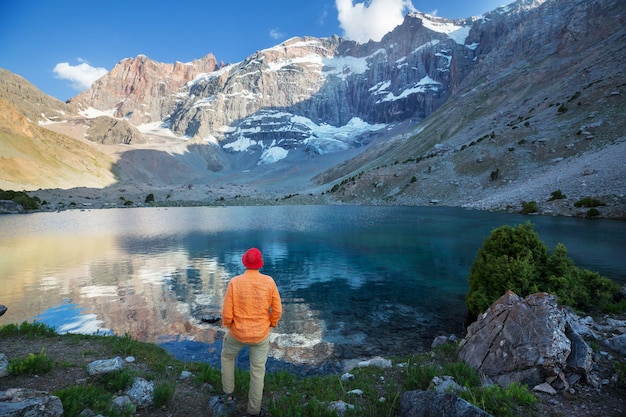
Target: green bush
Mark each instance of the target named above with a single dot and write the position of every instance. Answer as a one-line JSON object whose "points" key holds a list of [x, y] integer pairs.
{"points": [[149, 198], [589, 202], [77, 398], [21, 198], [163, 394], [514, 258], [28, 329], [592, 212], [557, 195], [33, 364], [529, 207]]}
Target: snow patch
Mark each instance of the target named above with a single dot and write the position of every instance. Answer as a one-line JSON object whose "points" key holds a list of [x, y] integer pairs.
{"points": [[455, 32], [92, 113], [422, 86], [272, 155]]}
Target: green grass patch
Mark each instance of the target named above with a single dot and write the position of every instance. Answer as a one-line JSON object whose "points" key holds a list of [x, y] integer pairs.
{"points": [[33, 364], [34, 329]]}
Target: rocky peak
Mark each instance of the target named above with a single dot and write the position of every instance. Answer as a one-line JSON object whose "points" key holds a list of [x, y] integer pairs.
{"points": [[142, 90]]}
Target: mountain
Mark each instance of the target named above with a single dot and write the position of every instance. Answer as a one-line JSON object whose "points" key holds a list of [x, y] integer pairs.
{"points": [[32, 156], [488, 112]]}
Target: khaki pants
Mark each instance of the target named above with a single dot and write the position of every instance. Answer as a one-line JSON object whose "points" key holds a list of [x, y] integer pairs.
{"points": [[258, 358]]}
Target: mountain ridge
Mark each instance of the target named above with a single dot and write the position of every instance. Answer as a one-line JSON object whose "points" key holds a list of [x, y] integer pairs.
{"points": [[417, 118]]}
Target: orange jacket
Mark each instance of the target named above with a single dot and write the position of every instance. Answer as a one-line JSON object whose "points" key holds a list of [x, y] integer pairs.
{"points": [[251, 306]]}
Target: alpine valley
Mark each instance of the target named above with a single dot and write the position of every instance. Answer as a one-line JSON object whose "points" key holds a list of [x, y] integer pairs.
{"points": [[525, 104]]}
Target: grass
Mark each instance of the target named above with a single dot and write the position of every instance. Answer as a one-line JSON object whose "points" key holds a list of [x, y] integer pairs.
{"points": [[379, 390], [33, 364]]}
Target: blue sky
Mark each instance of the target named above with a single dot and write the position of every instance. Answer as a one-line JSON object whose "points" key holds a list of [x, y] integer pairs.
{"points": [[63, 46]]}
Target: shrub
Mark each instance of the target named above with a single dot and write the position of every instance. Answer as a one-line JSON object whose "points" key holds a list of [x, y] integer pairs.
{"points": [[557, 195], [77, 398], [149, 198], [20, 197], [592, 212], [589, 202], [514, 258], [34, 329], [163, 394], [494, 174], [529, 207], [33, 364]]}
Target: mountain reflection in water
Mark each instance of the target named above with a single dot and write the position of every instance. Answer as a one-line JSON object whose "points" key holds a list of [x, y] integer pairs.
{"points": [[356, 282]]}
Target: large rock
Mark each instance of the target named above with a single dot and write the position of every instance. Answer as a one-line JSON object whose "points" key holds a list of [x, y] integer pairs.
{"points": [[104, 366], [22, 402], [436, 404], [524, 340], [141, 393]]}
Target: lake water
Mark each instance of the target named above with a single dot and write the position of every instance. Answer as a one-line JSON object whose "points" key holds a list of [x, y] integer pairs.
{"points": [[356, 282]]}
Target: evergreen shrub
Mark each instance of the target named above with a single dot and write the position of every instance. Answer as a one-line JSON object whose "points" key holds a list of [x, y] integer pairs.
{"points": [[529, 207], [514, 258], [589, 202]]}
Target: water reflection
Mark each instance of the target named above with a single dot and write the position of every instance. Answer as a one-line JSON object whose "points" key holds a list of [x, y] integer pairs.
{"points": [[355, 281]]}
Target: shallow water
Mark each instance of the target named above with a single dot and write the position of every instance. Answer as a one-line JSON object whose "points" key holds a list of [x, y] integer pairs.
{"points": [[355, 281]]}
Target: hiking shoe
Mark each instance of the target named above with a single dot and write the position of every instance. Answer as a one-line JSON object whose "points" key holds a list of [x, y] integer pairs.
{"points": [[262, 413]]}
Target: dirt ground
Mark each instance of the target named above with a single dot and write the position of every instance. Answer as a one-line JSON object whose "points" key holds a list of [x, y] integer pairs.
{"points": [[192, 399]]}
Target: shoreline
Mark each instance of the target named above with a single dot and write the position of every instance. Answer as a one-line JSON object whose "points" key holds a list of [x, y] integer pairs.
{"points": [[82, 198]]}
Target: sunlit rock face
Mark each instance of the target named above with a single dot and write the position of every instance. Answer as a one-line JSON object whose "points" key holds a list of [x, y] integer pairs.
{"points": [[142, 90]]}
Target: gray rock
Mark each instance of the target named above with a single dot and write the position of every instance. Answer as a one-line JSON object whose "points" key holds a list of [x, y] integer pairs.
{"points": [[435, 404], [518, 340], [124, 402], [22, 402], [446, 384], [617, 343], [141, 393], [580, 359], [545, 388], [104, 366], [10, 207], [3, 309], [4, 365]]}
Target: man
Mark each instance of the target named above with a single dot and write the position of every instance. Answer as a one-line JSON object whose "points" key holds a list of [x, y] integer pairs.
{"points": [[252, 306]]}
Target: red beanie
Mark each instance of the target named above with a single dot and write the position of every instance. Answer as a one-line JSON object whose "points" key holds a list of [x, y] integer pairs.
{"points": [[252, 259]]}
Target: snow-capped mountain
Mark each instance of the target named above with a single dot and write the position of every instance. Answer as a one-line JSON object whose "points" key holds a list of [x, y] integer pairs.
{"points": [[487, 111], [305, 95]]}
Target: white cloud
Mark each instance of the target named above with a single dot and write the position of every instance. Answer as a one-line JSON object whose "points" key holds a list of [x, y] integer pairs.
{"points": [[81, 76], [371, 20], [276, 34]]}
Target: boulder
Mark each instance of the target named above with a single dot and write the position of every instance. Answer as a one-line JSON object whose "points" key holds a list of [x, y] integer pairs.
{"points": [[104, 366], [141, 393], [617, 343], [525, 340], [435, 404], [22, 402]]}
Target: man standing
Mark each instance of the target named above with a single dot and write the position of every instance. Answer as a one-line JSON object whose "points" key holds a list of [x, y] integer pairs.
{"points": [[252, 306]]}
